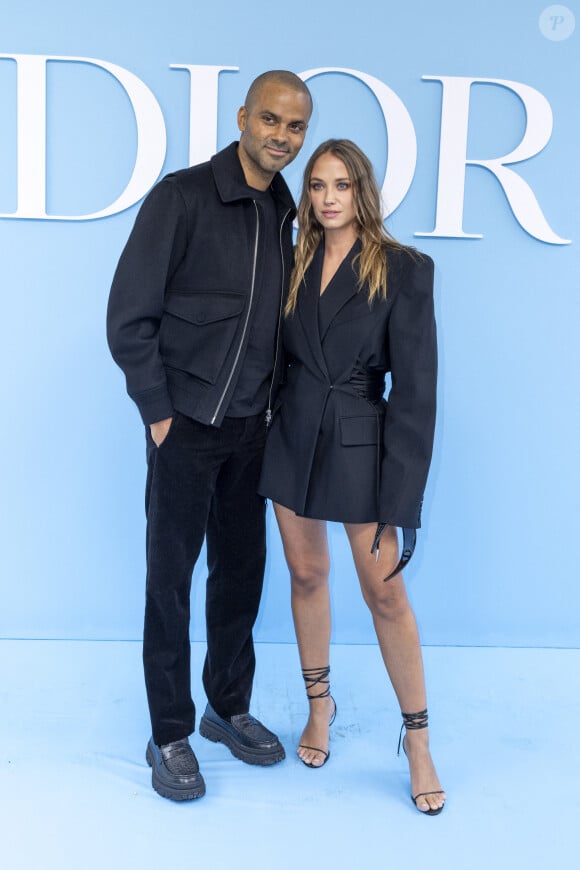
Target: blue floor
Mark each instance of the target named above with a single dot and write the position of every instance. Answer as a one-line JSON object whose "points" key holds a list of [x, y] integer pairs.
{"points": [[75, 790]]}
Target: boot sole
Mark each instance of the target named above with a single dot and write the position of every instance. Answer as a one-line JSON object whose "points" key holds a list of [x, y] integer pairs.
{"points": [[262, 757], [173, 793]]}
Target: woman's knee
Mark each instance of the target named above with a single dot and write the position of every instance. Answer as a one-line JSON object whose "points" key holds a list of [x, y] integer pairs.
{"points": [[387, 600], [308, 577]]}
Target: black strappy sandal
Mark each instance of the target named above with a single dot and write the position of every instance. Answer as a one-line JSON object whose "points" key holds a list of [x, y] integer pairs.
{"points": [[314, 677], [415, 722]]}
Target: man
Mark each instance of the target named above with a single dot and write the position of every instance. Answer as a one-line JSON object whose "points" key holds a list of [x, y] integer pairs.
{"points": [[194, 322]]}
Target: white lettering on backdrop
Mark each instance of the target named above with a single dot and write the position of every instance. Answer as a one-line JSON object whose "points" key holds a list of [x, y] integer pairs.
{"points": [[203, 104], [453, 159], [31, 131], [402, 158], [402, 143]]}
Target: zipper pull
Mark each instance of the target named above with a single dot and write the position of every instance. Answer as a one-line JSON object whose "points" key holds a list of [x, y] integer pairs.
{"points": [[268, 417]]}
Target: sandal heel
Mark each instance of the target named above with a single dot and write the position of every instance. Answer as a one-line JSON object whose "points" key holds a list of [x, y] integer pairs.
{"points": [[314, 677]]}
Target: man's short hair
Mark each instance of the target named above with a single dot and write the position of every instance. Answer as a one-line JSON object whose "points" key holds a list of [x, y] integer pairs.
{"points": [[279, 77]]}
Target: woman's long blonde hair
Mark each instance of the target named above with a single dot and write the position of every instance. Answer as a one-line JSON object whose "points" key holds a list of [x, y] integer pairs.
{"points": [[372, 259]]}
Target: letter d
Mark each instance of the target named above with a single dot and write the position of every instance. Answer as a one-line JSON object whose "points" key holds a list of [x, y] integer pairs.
{"points": [[31, 131]]}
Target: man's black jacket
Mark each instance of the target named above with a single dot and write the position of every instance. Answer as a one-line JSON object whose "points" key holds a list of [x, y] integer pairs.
{"points": [[183, 293]]}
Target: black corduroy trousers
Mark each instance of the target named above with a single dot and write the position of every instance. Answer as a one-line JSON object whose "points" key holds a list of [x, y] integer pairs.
{"points": [[202, 482]]}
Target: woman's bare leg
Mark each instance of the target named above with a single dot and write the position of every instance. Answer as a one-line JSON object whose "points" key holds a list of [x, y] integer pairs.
{"points": [[398, 638], [306, 550]]}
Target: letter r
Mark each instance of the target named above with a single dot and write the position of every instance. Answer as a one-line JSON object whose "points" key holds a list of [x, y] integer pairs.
{"points": [[453, 159]]}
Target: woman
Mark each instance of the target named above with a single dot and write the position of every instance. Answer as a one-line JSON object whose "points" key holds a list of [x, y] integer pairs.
{"points": [[360, 305]]}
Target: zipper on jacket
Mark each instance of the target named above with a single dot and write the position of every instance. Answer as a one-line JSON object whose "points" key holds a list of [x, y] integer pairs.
{"points": [[269, 409], [229, 380]]}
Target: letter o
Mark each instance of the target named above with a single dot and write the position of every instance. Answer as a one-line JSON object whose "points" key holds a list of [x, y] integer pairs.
{"points": [[401, 139]]}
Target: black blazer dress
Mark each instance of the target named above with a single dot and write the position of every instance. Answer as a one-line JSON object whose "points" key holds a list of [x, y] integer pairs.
{"points": [[337, 449]]}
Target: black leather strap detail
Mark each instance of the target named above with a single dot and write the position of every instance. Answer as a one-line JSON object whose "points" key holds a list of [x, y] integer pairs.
{"points": [[409, 542]]}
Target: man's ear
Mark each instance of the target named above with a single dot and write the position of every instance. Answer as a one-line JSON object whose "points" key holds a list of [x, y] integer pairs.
{"points": [[242, 118]]}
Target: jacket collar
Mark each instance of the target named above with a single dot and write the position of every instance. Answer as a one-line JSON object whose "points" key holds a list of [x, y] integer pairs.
{"points": [[231, 183]]}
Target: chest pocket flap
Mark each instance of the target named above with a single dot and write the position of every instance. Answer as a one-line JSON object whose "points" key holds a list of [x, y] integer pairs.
{"points": [[197, 331], [206, 306]]}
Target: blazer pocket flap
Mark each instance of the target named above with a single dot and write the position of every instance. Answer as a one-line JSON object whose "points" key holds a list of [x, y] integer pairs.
{"points": [[356, 431], [205, 307]]}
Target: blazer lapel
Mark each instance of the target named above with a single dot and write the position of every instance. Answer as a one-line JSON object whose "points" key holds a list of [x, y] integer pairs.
{"points": [[308, 296], [342, 286]]}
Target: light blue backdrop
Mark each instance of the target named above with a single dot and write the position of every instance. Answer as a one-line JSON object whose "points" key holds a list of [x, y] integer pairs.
{"points": [[496, 561]]}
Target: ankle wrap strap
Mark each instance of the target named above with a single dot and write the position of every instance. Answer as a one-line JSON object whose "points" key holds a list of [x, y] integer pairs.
{"points": [[413, 722], [314, 678]]}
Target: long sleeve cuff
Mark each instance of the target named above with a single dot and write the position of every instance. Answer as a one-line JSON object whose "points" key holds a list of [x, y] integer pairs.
{"points": [[154, 405]]}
